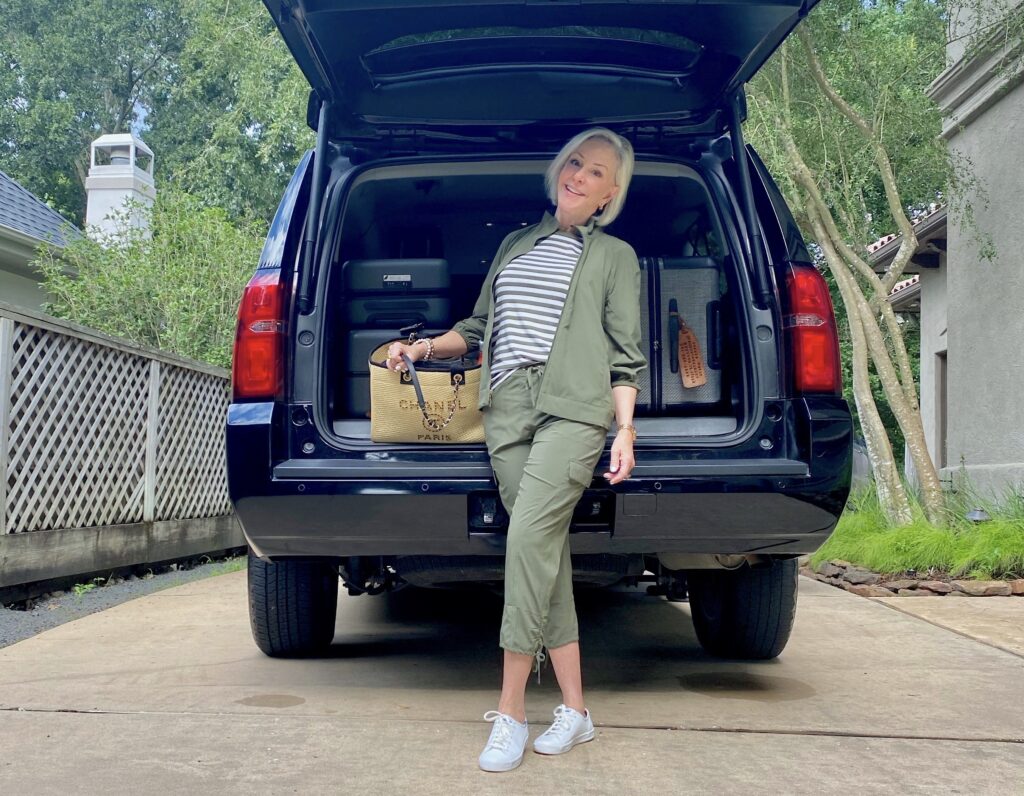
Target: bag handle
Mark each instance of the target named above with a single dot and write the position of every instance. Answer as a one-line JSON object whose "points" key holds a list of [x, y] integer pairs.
{"points": [[430, 423]]}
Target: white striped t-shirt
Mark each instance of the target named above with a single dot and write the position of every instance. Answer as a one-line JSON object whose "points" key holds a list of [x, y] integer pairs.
{"points": [[529, 295]]}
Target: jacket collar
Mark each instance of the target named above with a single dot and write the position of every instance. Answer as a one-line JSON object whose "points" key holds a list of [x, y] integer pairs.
{"points": [[549, 224]]}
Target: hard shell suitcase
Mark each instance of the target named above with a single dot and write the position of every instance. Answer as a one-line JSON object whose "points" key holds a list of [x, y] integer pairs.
{"points": [[676, 290], [394, 293]]}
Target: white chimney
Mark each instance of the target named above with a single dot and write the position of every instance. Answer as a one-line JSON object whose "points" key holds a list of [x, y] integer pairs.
{"points": [[120, 175]]}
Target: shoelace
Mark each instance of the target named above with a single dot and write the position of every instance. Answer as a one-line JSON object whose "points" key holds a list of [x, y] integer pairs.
{"points": [[501, 735], [562, 722]]}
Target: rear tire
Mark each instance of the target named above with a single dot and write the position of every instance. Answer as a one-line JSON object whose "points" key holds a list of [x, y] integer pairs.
{"points": [[745, 613], [292, 606]]}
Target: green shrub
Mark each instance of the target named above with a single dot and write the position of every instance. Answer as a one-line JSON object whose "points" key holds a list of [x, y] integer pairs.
{"points": [[177, 290]]}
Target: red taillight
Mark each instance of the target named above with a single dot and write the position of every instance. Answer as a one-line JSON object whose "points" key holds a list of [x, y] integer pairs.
{"points": [[811, 326], [258, 366]]}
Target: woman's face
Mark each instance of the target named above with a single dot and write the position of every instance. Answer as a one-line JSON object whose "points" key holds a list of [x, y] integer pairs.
{"points": [[587, 180]]}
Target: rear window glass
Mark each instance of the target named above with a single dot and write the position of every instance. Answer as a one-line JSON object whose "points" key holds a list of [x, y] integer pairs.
{"points": [[638, 35]]}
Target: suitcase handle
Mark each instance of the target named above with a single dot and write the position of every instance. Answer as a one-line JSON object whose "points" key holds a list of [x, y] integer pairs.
{"points": [[384, 319], [410, 332], [714, 321], [673, 336], [405, 304]]}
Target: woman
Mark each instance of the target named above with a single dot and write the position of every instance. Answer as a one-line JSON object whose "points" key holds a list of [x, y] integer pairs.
{"points": [[558, 320]]}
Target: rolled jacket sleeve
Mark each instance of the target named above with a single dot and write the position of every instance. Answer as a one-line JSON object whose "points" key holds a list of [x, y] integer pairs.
{"points": [[472, 328], [622, 320]]}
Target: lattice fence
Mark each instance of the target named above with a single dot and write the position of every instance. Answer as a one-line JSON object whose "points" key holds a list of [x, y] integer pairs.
{"points": [[191, 480], [94, 431]]}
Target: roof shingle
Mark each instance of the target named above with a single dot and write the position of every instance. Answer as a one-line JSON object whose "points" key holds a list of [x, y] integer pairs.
{"points": [[905, 284], [932, 210], [21, 210]]}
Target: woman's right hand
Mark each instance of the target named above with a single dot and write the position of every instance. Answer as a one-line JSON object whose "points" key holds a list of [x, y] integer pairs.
{"points": [[395, 362]]}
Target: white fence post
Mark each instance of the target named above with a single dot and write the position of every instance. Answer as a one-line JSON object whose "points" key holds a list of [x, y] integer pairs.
{"points": [[6, 372], [152, 437]]}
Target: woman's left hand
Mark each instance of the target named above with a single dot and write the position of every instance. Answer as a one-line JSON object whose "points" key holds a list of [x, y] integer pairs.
{"points": [[622, 461]]}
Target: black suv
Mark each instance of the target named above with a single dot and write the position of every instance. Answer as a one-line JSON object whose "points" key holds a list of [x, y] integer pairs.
{"points": [[435, 122]]}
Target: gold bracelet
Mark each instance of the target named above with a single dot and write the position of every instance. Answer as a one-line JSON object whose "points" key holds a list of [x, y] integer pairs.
{"points": [[630, 428]]}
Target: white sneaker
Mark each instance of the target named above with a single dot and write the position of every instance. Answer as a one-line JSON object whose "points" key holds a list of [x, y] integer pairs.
{"points": [[569, 728], [504, 750]]}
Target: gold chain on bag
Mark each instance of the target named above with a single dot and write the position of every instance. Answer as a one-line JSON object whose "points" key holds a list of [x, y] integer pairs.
{"points": [[433, 425]]}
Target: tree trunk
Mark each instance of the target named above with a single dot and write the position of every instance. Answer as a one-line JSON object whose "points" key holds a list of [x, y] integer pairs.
{"points": [[901, 395], [900, 389], [907, 414], [892, 496]]}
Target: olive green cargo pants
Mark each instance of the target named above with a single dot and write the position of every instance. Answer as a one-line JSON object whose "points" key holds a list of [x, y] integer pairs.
{"points": [[542, 464]]}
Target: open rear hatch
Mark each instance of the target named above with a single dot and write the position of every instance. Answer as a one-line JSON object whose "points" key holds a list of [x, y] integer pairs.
{"points": [[518, 76], [495, 68]]}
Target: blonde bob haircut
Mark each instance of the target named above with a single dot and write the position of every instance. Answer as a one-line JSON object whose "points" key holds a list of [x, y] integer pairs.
{"points": [[623, 174]]}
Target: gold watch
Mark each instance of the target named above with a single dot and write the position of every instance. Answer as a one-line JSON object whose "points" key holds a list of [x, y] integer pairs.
{"points": [[631, 428]]}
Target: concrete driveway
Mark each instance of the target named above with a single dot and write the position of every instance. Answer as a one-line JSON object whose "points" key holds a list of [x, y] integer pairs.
{"points": [[167, 694]]}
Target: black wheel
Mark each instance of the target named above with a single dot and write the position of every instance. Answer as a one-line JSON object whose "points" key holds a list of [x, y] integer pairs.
{"points": [[292, 606], [744, 613]]}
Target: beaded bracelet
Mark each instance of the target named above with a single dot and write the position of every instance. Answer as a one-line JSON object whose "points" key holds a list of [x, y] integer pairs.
{"points": [[430, 347]]}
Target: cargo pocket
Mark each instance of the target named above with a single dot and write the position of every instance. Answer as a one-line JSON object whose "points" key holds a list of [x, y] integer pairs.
{"points": [[580, 474]]}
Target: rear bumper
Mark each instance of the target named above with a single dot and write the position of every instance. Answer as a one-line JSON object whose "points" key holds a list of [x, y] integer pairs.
{"points": [[679, 500]]}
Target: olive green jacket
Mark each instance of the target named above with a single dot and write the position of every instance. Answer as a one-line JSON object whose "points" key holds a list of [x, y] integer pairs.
{"points": [[597, 342]]}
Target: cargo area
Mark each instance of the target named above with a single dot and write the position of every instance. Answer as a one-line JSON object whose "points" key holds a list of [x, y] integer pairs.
{"points": [[412, 244]]}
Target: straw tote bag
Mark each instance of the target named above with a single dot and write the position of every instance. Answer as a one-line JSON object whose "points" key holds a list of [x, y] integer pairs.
{"points": [[433, 402]]}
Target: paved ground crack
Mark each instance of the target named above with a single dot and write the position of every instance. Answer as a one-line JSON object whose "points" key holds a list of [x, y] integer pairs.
{"points": [[805, 732], [819, 733], [888, 603]]}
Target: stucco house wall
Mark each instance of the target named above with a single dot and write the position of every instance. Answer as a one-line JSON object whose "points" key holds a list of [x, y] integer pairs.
{"points": [[986, 375], [21, 291], [982, 96]]}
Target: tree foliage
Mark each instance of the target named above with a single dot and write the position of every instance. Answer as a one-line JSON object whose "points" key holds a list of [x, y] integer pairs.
{"points": [[73, 70], [881, 57], [842, 115], [209, 84], [232, 125], [176, 290]]}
